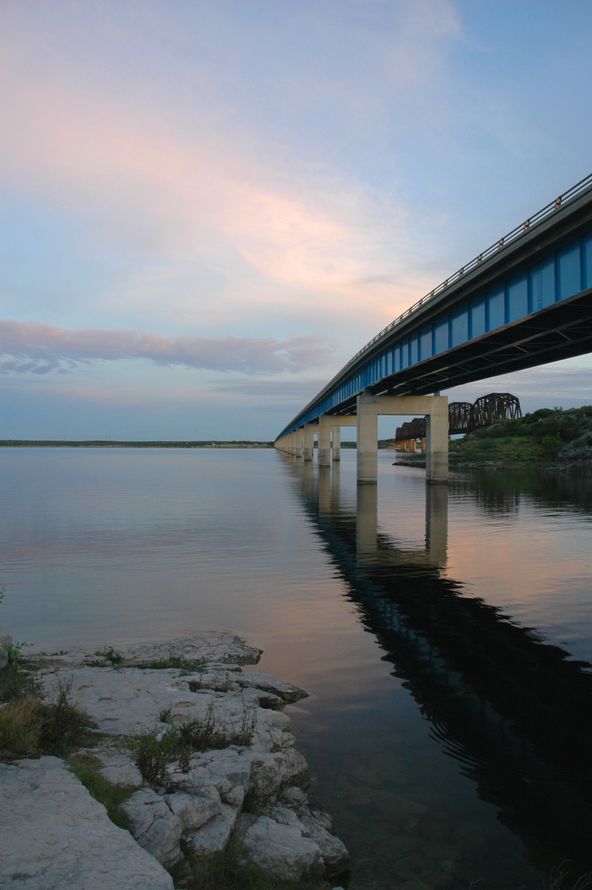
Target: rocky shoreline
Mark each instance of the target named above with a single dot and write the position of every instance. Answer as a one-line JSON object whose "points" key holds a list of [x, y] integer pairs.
{"points": [[204, 755]]}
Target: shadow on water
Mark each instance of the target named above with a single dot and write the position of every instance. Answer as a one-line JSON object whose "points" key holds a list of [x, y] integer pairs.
{"points": [[513, 711]]}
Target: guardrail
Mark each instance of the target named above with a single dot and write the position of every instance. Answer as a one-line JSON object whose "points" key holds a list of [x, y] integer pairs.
{"points": [[574, 192]]}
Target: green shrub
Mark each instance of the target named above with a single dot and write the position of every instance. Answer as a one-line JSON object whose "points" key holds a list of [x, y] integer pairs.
{"points": [[30, 727], [20, 728], [154, 753]]}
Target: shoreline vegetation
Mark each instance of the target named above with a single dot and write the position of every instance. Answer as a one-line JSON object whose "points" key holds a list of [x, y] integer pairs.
{"points": [[550, 438]]}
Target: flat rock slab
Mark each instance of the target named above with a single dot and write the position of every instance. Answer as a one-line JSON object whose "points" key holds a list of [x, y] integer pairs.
{"points": [[208, 647], [54, 836]]}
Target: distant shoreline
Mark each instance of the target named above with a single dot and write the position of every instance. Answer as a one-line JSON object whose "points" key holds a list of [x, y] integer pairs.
{"points": [[103, 443]]}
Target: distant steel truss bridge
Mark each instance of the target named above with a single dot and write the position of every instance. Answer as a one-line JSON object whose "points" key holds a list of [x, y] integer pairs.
{"points": [[464, 417]]}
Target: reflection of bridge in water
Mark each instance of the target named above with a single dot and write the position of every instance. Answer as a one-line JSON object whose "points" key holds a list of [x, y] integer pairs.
{"points": [[511, 709]]}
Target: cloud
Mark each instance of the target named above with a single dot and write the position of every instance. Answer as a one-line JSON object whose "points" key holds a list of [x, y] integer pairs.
{"points": [[202, 204], [561, 383], [28, 347], [285, 389]]}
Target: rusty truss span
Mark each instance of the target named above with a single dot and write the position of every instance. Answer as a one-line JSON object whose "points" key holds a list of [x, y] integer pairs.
{"points": [[464, 417]]}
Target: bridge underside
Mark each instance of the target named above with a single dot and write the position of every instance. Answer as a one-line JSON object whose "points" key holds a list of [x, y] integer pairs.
{"points": [[560, 331]]}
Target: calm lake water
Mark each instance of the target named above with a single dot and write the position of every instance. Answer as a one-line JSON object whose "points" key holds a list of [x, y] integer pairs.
{"points": [[444, 637]]}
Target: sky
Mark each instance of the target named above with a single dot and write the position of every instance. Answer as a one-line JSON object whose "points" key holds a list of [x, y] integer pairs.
{"points": [[208, 206]]}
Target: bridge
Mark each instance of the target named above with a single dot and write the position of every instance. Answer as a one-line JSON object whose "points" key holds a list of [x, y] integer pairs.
{"points": [[463, 417], [524, 301]]}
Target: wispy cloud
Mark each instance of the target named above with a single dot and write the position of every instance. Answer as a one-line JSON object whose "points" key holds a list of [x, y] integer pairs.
{"points": [[202, 206], [40, 349]]}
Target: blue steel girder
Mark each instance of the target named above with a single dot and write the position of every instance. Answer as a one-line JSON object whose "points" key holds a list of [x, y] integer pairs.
{"points": [[527, 303]]}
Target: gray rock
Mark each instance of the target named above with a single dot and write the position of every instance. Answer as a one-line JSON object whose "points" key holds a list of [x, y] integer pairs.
{"points": [[215, 834], [282, 851], [233, 764], [154, 826], [272, 731], [210, 646], [294, 797], [194, 810], [271, 772], [334, 852], [56, 837], [258, 698], [120, 769], [267, 683]]}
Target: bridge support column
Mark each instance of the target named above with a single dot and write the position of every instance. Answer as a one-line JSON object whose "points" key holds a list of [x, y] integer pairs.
{"points": [[435, 408], [307, 441], [296, 444], [336, 443], [367, 440], [437, 442], [337, 422], [324, 429]]}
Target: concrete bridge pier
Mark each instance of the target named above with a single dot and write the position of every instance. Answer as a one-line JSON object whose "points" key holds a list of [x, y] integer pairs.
{"points": [[324, 431], [437, 441], [336, 443], [307, 441], [336, 422], [435, 408], [296, 444]]}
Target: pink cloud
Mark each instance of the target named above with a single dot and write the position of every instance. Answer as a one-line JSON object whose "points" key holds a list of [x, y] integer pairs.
{"points": [[199, 202], [27, 347]]}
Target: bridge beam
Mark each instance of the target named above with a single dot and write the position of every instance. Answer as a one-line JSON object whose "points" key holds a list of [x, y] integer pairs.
{"points": [[435, 408]]}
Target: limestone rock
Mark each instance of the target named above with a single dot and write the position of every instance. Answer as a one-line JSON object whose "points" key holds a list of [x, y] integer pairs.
{"points": [[333, 851], [272, 731], [282, 851], [194, 810], [132, 700], [215, 834], [215, 647], [120, 769], [267, 683], [153, 825], [211, 646], [56, 837], [271, 772]]}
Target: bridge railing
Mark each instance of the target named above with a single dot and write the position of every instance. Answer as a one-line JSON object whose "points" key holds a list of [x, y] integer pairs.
{"points": [[520, 230]]}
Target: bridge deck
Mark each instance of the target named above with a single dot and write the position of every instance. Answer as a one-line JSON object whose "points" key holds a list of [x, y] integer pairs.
{"points": [[525, 301]]}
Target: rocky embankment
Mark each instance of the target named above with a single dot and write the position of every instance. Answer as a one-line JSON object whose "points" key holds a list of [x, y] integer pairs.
{"points": [[236, 778]]}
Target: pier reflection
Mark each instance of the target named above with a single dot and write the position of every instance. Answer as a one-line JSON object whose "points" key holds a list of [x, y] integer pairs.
{"points": [[513, 711]]}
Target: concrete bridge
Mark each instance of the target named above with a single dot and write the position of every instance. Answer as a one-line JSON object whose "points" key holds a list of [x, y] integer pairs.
{"points": [[524, 301]]}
